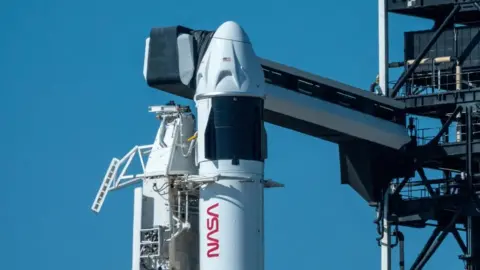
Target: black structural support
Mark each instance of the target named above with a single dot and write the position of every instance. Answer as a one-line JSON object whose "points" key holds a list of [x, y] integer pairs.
{"points": [[411, 69], [417, 167], [460, 242], [473, 243], [427, 246], [421, 172], [401, 241], [445, 127], [468, 158], [468, 49], [447, 174], [400, 186], [436, 244], [473, 223]]}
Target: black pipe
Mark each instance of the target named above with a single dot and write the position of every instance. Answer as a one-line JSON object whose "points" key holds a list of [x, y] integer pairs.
{"points": [[396, 64], [401, 240], [425, 50], [445, 127]]}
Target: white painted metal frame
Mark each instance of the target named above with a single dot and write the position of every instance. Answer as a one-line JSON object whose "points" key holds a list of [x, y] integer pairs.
{"points": [[137, 226], [112, 182], [386, 241], [383, 59], [383, 46]]}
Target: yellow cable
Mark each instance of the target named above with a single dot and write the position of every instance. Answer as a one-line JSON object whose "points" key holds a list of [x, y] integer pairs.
{"points": [[192, 138]]}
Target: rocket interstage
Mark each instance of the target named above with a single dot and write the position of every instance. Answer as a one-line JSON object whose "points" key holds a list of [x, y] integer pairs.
{"points": [[231, 146]]}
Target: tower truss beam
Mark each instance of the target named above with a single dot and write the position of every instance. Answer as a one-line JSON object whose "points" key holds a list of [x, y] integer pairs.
{"points": [[425, 50]]}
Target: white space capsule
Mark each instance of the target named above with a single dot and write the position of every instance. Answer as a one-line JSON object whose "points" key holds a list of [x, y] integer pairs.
{"points": [[231, 144]]}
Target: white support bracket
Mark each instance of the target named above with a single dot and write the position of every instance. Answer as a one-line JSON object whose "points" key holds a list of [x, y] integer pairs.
{"points": [[112, 181], [268, 183], [201, 180]]}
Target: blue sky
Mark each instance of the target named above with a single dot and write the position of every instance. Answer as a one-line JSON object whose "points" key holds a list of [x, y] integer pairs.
{"points": [[73, 96]]}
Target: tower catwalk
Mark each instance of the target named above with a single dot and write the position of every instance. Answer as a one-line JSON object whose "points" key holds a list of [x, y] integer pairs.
{"points": [[441, 81]]}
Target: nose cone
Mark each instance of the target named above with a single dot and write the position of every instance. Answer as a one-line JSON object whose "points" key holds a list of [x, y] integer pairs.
{"points": [[231, 31]]}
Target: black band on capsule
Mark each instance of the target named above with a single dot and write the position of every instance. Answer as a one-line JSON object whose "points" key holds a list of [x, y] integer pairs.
{"points": [[235, 129]]}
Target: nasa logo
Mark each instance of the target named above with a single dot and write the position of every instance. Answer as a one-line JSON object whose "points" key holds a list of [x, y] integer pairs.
{"points": [[213, 228]]}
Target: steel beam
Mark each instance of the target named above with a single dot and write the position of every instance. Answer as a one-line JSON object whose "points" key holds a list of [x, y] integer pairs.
{"points": [[399, 188], [444, 101], [472, 253], [425, 50], [445, 127], [427, 246], [436, 244], [425, 182], [459, 240], [473, 224]]}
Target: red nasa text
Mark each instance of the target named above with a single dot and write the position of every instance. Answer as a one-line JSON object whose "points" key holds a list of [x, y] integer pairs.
{"points": [[212, 228]]}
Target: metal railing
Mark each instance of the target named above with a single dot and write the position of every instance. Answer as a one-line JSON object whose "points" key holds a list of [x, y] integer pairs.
{"points": [[416, 189], [456, 133], [436, 81]]}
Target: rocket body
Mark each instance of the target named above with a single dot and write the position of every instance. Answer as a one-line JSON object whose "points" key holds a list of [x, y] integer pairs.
{"points": [[231, 146]]}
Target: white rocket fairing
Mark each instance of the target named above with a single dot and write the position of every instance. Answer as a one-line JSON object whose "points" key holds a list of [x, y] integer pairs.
{"points": [[231, 146]]}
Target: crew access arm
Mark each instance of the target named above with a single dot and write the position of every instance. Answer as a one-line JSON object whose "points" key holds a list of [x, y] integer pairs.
{"points": [[369, 129]]}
